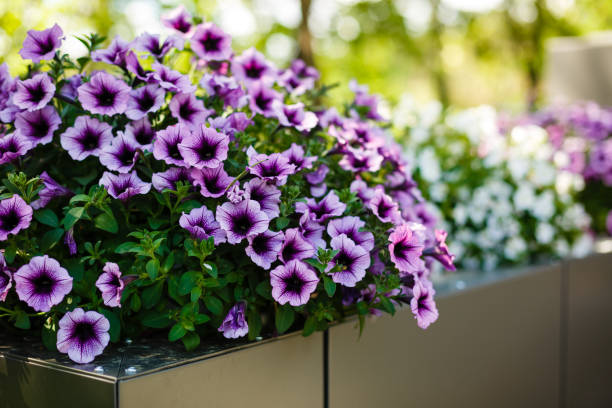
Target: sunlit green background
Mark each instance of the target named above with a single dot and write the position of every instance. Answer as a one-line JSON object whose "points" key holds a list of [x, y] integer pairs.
{"points": [[462, 52]]}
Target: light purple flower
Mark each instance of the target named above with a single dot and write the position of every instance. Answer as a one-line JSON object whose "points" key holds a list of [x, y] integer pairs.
{"points": [[241, 220], [262, 99], [226, 88], [178, 19], [352, 260], [165, 146], [169, 178], [361, 161], [132, 64], [274, 168], [6, 278], [235, 325], [330, 117], [104, 94], [211, 43], [41, 45], [143, 100], [38, 126], [204, 147], [317, 176], [114, 54], [42, 283], [293, 283], [267, 195], [330, 206], [423, 305], [152, 44], [294, 116], [141, 133], [201, 224], [120, 155], [15, 215], [70, 87], [609, 222], [212, 182], [87, 137], [312, 231], [12, 146], [405, 248], [83, 335], [295, 155], [170, 79], [384, 207], [299, 78], [124, 186], [352, 227], [440, 251], [189, 110], [70, 242], [111, 285], [251, 66], [264, 248], [295, 247], [34, 93], [50, 190], [364, 193]]}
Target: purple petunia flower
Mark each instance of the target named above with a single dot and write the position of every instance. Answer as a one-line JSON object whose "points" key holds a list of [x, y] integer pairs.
{"points": [[423, 305], [70, 242], [330, 206], [111, 285], [50, 190], [226, 88], [211, 43], [241, 220], [132, 64], [165, 146], [294, 116], [352, 260], [34, 93], [120, 155], [83, 335], [6, 278], [152, 44], [189, 110], [267, 195], [38, 126], [316, 179], [295, 247], [361, 161], [293, 283], [609, 222], [405, 248], [115, 53], [364, 193], [178, 19], [330, 117], [312, 231], [384, 207], [12, 146], [295, 155], [15, 215], [262, 99], [299, 78], [70, 87], [235, 325], [143, 100], [212, 182], [141, 133], [41, 45], [352, 228], [124, 186], [104, 94], [87, 137], [252, 67], [204, 147], [42, 283], [264, 248], [169, 178], [274, 168], [440, 251], [201, 224], [170, 79]]}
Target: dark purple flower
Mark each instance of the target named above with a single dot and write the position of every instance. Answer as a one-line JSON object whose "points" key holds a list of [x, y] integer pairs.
{"points": [[189, 110], [274, 168], [294, 116], [295, 247], [295, 155], [170, 79], [384, 207], [423, 305], [83, 335], [267, 195], [264, 248], [132, 64], [124, 186], [212, 182], [293, 283], [38, 126], [42, 283], [151, 43], [114, 54], [104, 94], [70, 87], [361, 161], [235, 325], [50, 190], [352, 227], [41, 45], [261, 99], [169, 178], [312, 231], [251, 66], [165, 146], [70, 242], [405, 248], [363, 99], [34, 93], [299, 78], [12, 146], [201, 224], [6, 278], [242, 220], [352, 260], [440, 251], [211, 43], [111, 285], [87, 137], [204, 147], [120, 155], [226, 88], [15, 215], [143, 100], [141, 133], [330, 206], [178, 19]]}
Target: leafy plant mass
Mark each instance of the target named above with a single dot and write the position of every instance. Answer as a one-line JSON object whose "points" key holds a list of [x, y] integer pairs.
{"points": [[169, 185]]}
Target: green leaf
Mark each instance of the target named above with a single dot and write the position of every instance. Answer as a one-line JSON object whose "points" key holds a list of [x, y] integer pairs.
{"points": [[106, 222], [126, 247], [135, 302], [254, 322], [50, 238], [264, 289], [330, 286], [115, 324], [213, 304], [387, 304], [201, 318], [152, 295], [84, 180], [281, 223], [152, 268], [188, 281], [47, 217], [310, 325], [9, 254], [156, 320], [79, 198], [49, 335], [22, 321], [196, 293], [284, 318], [73, 216], [191, 341], [176, 332]]}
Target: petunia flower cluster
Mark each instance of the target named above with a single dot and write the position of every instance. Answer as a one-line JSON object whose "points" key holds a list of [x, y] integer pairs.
{"points": [[174, 186]]}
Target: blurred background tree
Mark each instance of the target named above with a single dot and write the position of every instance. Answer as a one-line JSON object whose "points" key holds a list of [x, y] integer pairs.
{"points": [[462, 52]]}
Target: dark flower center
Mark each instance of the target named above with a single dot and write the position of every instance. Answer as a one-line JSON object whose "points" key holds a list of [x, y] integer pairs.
{"points": [[182, 26], [44, 284], [186, 111], [401, 248], [4, 279], [207, 151], [36, 93], [269, 171], [45, 46], [253, 70], [39, 128], [106, 97], [143, 136], [213, 186], [11, 147], [115, 281], [242, 224], [126, 156], [260, 244], [422, 304], [294, 284], [262, 101], [146, 101], [10, 220], [90, 139], [84, 332], [173, 151], [319, 211], [291, 116], [343, 259], [408, 281], [384, 208], [211, 43], [290, 251]]}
